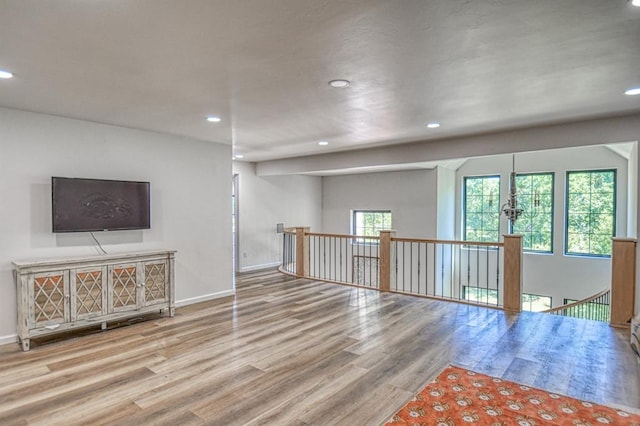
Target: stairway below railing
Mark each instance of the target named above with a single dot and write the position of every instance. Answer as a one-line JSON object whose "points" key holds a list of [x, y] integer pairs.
{"points": [[596, 307]]}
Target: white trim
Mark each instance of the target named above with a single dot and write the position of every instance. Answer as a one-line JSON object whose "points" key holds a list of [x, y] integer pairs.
{"points": [[204, 298], [259, 267], [5, 340]]}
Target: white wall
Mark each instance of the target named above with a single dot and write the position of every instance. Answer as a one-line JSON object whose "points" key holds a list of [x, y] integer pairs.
{"points": [[190, 199], [410, 195], [265, 201], [446, 194], [556, 274]]}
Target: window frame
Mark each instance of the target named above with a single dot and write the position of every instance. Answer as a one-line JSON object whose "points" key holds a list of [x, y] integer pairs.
{"points": [[464, 204], [353, 226], [566, 211], [553, 211]]}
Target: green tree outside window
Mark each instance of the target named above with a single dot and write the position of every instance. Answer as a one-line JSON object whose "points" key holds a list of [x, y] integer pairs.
{"points": [[591, 212], [370, 223], [535, 197], [481, 208]]}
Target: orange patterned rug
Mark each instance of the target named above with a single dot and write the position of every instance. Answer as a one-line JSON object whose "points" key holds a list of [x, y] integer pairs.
{"points": [[462, 397]]}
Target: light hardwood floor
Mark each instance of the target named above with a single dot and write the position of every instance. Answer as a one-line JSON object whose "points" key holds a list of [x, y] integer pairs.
{"points": [[289, 351]]}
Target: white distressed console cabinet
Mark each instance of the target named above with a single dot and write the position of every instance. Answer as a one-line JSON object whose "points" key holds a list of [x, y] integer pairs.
{"points": [[64, 294]]}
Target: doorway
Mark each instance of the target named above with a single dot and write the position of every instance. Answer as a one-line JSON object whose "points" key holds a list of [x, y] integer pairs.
{"points": [[234, 225]]}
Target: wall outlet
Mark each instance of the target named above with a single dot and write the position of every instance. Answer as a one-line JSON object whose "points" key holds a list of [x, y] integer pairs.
{"points": [[244, 254]]}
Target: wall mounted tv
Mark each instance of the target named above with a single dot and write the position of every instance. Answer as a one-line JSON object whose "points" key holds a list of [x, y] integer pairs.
{"points": [[86, 205]]}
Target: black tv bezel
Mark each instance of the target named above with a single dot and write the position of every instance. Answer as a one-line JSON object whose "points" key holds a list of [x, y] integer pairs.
{"points": [[53, 206]]}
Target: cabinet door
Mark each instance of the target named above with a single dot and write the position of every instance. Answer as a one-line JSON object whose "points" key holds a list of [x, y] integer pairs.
{"points": [[155, 283], [88, 292], [123, 287], [49, 295]]}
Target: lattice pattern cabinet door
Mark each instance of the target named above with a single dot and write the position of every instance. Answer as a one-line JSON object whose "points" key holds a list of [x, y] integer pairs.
{"points": [[89, 290], [155, 283], [123, 287], [58, 295], [49, 293]]}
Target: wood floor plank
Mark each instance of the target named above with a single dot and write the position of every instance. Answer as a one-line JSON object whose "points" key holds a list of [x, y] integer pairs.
{"points": [[292, 351]]}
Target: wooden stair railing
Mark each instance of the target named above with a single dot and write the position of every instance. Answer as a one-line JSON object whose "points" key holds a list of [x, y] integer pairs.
{"points": [[571, 309]]}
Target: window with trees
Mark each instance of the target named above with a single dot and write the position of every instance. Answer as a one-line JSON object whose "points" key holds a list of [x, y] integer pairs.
{"points": [[479, 294], [530, 302], [591, 212], [535, 197], [370, 223], [535, 302], [481, 208]]}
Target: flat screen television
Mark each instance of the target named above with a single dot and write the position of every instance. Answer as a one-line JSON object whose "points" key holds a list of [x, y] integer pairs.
{"points": [[87, 205]]}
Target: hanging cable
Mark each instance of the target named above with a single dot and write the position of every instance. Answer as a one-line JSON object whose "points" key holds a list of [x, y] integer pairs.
{"points": [[98, 243]]}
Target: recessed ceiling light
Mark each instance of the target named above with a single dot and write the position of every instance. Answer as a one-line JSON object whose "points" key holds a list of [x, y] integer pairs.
{"points": [[635, 3], [5, 74], [634, 91], [323, 143], [339, 84], [239, 156], [213, 118], [432, 125]]}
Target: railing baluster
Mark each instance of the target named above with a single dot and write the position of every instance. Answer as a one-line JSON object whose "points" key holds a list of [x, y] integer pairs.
{"points": [[486, 281], [442, 269], [477, 249], [435, 266], [411, 270], [418, 259], [420, 267], [498, 273], [404, 258]]}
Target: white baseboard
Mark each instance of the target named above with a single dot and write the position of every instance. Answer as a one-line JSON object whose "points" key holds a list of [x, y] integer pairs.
{"points": [[13, 338], [260, 267], [204, 298], [5, 340]]}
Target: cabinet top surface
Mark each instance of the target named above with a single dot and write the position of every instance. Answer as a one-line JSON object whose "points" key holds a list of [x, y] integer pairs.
{"points": [[70, 260]]}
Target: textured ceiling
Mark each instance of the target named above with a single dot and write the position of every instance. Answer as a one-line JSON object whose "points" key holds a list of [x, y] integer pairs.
{"points": [[263, 66]]}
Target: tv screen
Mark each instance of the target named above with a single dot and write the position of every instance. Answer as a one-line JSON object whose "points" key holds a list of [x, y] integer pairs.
{"points": [[84, 205]]}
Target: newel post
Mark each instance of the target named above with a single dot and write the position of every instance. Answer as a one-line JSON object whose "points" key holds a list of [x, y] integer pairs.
{"points": [[302, 251], [386, 254], [512, 272], [623, 279]]}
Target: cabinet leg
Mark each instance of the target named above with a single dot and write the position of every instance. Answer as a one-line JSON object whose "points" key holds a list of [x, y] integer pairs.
{"points": [[25, 344], [172, 311], [103, 326]]}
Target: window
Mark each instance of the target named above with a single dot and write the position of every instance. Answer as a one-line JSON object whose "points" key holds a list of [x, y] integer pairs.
{"points": [[535, 198], [479, 294], [530, 302], [370, 223], [535, 302], [482, 208], [591, 211]]}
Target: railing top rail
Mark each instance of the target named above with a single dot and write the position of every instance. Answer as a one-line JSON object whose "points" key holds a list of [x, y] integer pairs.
{"points": [[462, 243], [406, 240], [578, 303], [318, 234]]}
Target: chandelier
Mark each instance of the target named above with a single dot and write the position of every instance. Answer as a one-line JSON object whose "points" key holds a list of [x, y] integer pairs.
{"points": [[513, 209], [510, 208]]}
